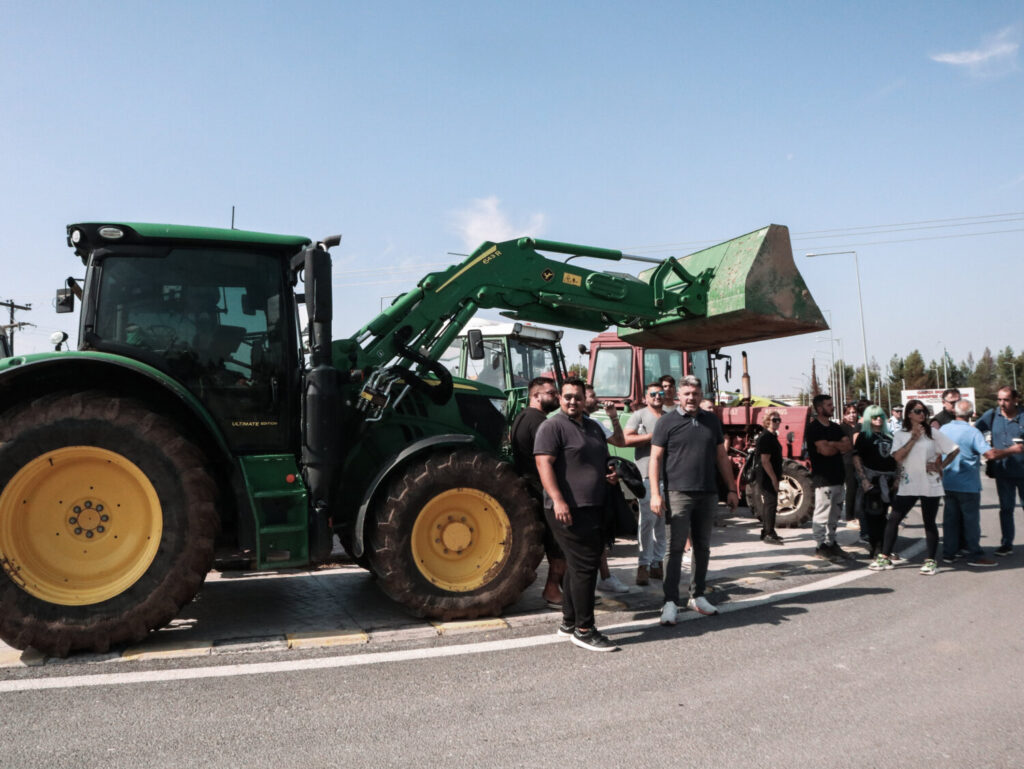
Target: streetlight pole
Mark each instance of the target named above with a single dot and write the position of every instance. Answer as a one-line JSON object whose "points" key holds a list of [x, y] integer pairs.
{"points": [[860, 302], [945, 376]]}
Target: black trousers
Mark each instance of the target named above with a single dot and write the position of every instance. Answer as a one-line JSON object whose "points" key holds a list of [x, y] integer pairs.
{"points": [[582, 543], [929, 512], [769, 507]]}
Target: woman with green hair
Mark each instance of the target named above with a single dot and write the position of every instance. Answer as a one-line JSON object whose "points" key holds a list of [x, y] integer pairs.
{"points": [[876, 474]]}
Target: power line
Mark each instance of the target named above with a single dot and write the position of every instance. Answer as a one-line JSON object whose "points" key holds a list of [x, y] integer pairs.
{"points": [[961, 221]]}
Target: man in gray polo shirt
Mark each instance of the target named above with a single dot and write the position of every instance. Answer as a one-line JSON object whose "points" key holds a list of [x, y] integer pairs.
{"points": [[688, 450], [572, 461], [651, 534]]}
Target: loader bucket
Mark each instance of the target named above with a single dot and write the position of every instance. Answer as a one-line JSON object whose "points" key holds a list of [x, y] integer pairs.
{"points": [[754, 292]]}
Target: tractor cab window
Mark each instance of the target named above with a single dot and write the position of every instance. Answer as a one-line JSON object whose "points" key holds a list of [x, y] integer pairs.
{"points": [[532, 359], [491, 369], [611, 372], [660, 362], [212, 319]]}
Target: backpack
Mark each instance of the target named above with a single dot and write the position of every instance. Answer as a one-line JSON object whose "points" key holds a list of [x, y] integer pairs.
{"points": [[752, 467]]}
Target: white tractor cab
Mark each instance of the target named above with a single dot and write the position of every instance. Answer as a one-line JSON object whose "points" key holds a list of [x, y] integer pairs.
{"points": [[506, 355]]}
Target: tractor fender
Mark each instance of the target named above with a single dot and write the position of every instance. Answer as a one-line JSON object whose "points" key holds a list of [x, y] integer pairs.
{"points": [[395, 461], [30, 376]]}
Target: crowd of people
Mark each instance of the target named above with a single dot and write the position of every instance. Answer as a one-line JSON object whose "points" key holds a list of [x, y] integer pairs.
{"points": [[868, 468]]}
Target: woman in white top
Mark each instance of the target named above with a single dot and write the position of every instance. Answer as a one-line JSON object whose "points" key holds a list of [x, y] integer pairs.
{"points": [[919, 450]]}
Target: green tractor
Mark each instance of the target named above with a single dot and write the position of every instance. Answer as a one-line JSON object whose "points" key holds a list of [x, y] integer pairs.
{"points": [[193, 423]]}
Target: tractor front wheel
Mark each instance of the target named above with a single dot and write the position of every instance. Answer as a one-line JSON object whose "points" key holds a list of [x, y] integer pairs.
{"points": [[796, 496], [107, 521], [458, 536]]}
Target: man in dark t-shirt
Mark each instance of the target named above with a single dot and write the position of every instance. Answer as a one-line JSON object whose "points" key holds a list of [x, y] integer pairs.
{"points": [[572, 460], [542, 396], [688, 448], [826, 445], [947, 415]]}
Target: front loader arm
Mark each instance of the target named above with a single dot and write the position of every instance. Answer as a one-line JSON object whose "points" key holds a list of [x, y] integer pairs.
{"points": [[663, 302], [515, 277]]}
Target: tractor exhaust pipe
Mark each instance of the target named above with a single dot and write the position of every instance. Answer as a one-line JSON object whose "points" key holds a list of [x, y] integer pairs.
{"points": [[322, 449]]}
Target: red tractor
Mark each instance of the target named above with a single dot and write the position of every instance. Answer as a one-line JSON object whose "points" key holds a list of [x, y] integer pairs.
{"points": [[618, 371]]}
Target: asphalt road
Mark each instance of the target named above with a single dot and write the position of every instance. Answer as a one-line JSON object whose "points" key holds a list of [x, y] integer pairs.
{"points": [[856, 669]]}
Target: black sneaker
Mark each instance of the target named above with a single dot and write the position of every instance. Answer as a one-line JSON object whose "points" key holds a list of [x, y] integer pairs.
{"points": [[565, 630], [842, 555], [772, 539], [1004, 550], [950, 558], [824, 552], [593, 641]]}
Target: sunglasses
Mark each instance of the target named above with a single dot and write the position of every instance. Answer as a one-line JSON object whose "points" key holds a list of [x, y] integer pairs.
{"points": [[572, 397], [658, 394], [918, 411], [776, 419]]}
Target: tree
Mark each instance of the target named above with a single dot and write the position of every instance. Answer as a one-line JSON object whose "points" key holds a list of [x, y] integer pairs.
{"points": [[915, 376], [1006, 368], [985, 381], [815, 387]]}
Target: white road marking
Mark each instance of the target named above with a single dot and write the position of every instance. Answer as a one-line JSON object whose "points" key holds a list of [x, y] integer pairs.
{"points": [[377, 658]]}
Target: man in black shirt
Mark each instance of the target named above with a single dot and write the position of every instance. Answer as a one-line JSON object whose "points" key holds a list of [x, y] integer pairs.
{"points": [[542, 400], [572, 461], [950, 398], [690, 445], [826, 445]]}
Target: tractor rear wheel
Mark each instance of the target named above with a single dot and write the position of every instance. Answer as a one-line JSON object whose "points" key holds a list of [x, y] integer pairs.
{"points": [[107, 521], [796, 496], [458, 536]]}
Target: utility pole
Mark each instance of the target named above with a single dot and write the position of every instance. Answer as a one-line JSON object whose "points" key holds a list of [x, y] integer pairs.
{"points": [[11, 326]]}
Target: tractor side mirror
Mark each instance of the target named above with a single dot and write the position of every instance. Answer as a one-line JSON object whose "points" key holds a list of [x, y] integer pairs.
{"points": [[65, 300], [475, 338], [583, 349]]}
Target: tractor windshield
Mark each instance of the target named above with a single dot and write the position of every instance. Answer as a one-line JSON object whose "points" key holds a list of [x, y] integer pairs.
{"points": [[213, 319], [531, 359], [657, 363]]}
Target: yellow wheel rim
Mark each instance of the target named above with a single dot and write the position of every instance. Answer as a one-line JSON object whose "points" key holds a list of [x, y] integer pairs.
{"points": [[78, 525], [460, 539]]}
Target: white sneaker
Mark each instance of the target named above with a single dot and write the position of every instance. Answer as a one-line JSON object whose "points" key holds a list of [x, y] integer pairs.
{"points": [[669, 613], [701, 605], [612, 585]]}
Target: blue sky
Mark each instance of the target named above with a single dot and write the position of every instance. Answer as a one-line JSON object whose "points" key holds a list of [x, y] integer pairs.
{"points": [[416, 129]]}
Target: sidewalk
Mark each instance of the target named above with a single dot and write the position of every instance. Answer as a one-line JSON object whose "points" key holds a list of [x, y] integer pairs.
{"points": [[339, 605]]}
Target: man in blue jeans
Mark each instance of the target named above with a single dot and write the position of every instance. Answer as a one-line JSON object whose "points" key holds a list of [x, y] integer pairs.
{"points": [[1006, 423], [962, 483], [687, 450]]}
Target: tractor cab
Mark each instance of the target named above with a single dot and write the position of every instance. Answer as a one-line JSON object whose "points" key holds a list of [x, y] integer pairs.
{"points": [[507, 356], [213, 309]]}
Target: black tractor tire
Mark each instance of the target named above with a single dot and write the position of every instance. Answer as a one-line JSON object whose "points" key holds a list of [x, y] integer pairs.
{"points": [[458, 536], [796, 497], [59, 590]]}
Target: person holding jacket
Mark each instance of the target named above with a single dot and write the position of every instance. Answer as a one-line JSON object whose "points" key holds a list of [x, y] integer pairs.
{"points": [[875, 471]]}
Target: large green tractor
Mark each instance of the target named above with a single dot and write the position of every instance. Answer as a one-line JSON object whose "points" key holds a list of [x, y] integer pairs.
{"points": [[195, 421]]}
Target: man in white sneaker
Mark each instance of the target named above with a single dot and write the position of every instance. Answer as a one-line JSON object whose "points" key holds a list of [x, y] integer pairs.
{"points": [[686, 450], [608, 582], [651, 534]]}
